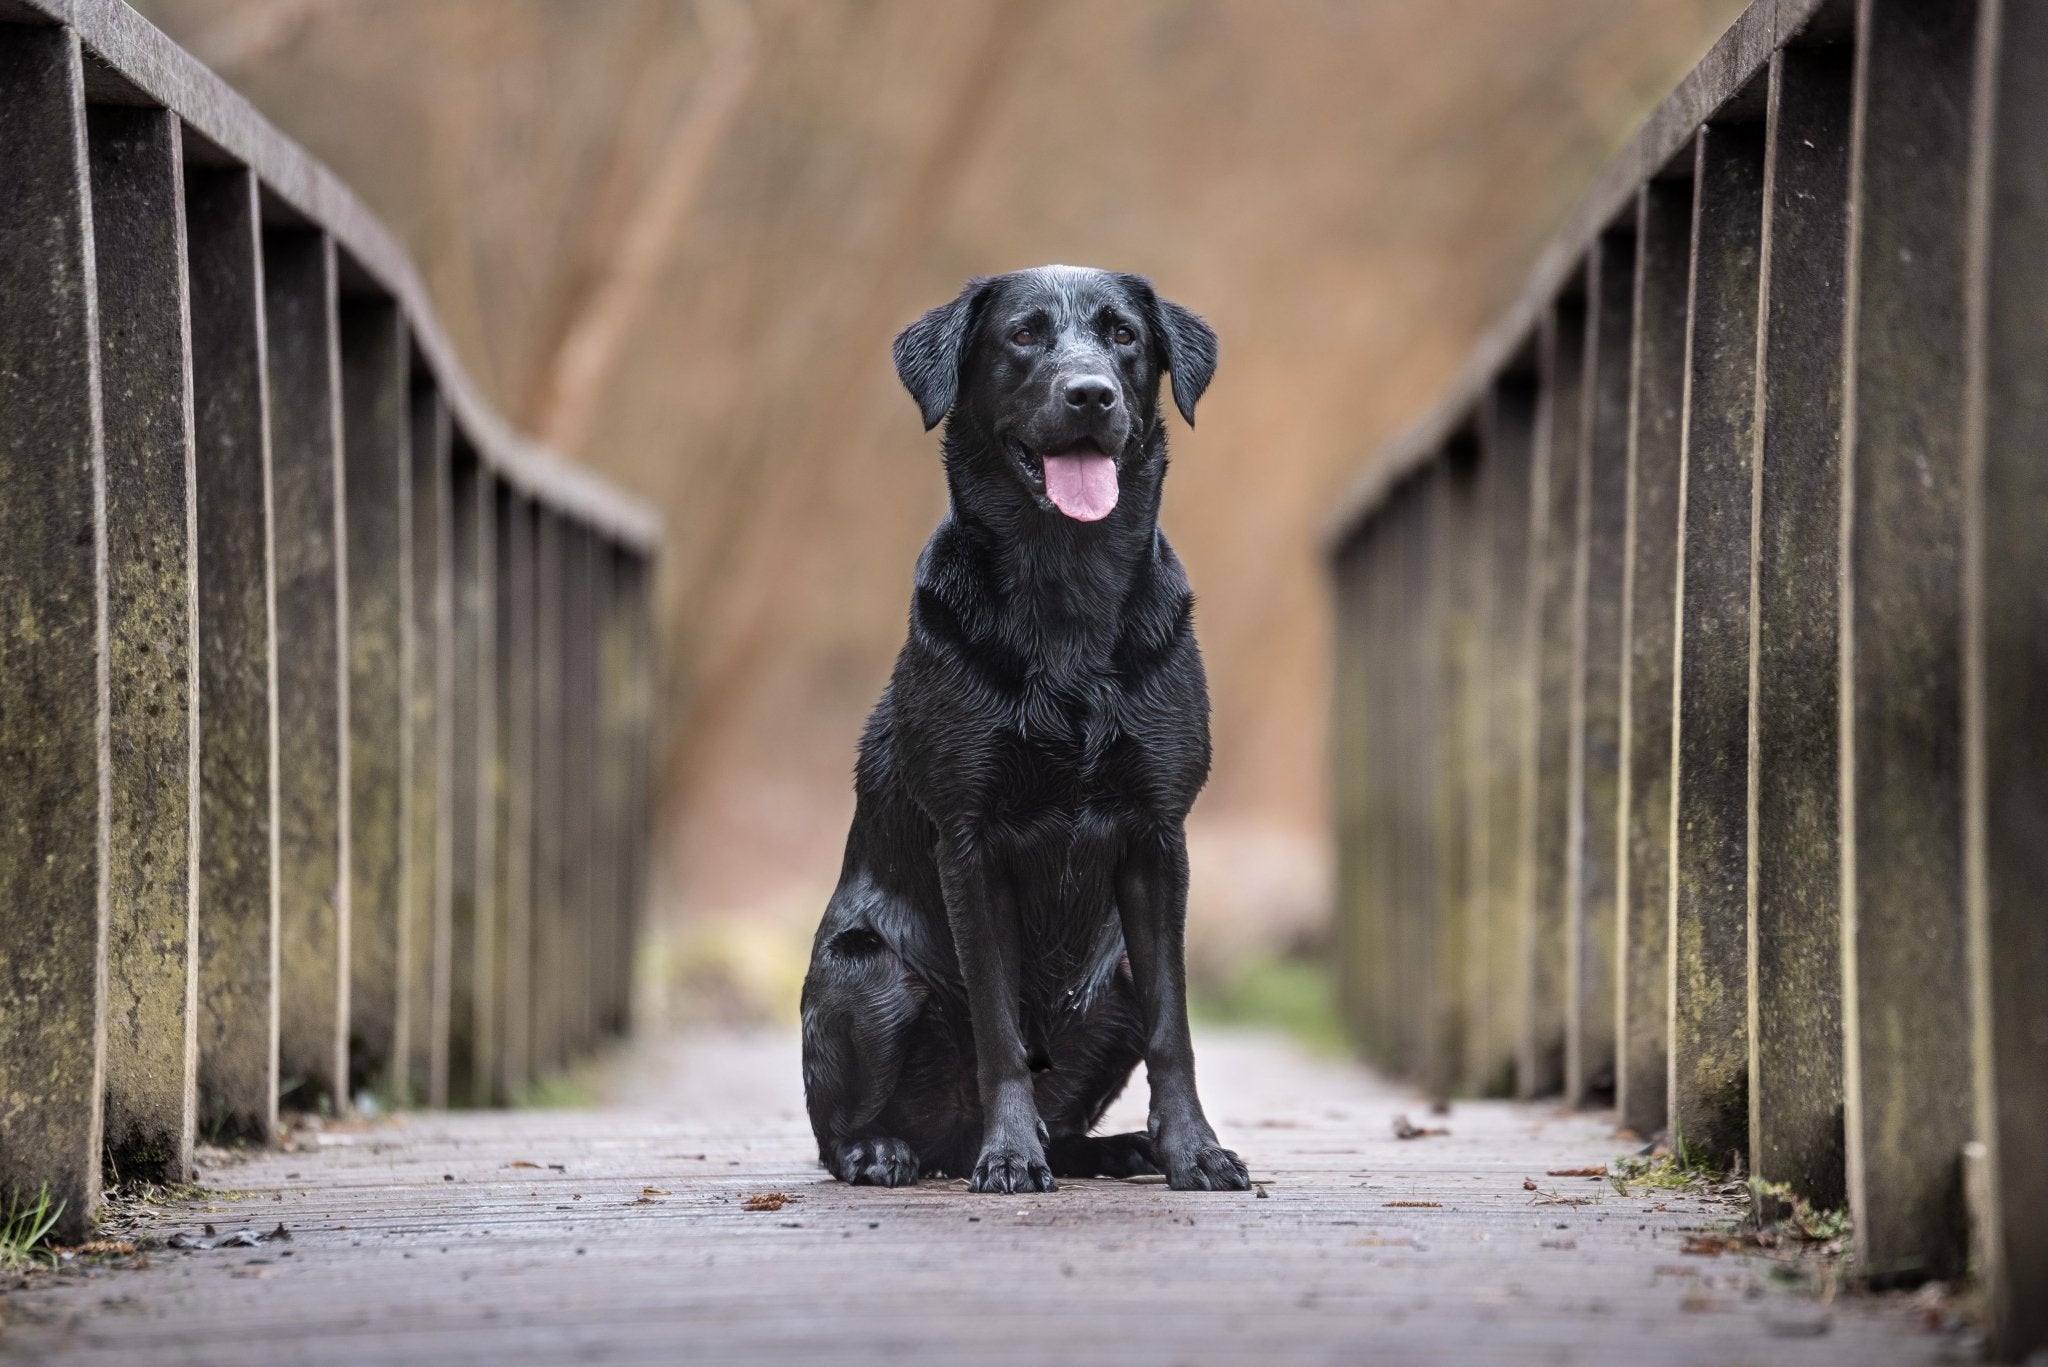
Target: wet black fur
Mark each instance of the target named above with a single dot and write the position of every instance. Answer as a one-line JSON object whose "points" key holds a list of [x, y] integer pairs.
{"points": [[1005, 943]]}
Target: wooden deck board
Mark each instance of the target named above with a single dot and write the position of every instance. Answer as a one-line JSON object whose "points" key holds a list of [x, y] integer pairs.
{"points": [[415, 1241]]}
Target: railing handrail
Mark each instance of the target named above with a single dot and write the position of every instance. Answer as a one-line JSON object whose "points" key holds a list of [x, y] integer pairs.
{"points": [[1729, 65], [125, 49]]}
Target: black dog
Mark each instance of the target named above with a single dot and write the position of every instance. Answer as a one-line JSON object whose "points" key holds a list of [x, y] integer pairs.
{"points": [[1006, 939]]}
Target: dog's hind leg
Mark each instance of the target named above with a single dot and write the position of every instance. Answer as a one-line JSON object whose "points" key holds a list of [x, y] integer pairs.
{"points": [[859, 1004]]}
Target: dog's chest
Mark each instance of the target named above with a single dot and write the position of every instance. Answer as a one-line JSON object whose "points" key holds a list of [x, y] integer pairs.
{"points": [[1066, 747]]}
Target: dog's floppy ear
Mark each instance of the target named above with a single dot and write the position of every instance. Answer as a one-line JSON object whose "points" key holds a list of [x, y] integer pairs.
{"points": [[1187, 345], [929, 351], [1190, 347]]}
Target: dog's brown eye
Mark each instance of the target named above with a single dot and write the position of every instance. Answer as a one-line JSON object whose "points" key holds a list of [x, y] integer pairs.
{"points": [[1023, 337], [1124, 335]]}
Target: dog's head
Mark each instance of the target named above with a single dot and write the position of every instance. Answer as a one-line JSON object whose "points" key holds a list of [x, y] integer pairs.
{"points": [[1057, 370]]}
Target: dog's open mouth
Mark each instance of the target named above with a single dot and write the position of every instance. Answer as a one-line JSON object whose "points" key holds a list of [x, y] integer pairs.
{"points": [[1079, 481]]}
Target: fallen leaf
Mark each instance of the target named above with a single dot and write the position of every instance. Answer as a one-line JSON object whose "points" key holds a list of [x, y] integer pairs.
{"points": [[1404, 1128], [1702, 1305], [241, 1238], [653, 1191], [1706, 1245], [1415, 1205], [100, 1246], [1576, 1172], [1528, 1184], [768, 1200], [521, 1163]]}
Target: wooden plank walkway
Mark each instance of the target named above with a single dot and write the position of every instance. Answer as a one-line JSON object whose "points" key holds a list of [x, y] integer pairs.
{"points": [[431, 1239]]}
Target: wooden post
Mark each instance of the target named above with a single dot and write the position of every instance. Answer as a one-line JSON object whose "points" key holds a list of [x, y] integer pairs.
{"points": [[1507, 429], [1656, 421], [302, 330], [427, 970], [1592, 886], [473, 942], [1795, 893], [1906, 1017], [1709, 1073], [376, 430], [2006, 669], [550, 931], [1562, 351], [1351, 767], [53, 676], [1473, 497], [238, 794], [138, 192], [515, 746]]}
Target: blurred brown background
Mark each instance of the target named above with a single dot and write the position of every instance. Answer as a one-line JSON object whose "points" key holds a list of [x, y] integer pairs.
{"points": [[674, 237]]}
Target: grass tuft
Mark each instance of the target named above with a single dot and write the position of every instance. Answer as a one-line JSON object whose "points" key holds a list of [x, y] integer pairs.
{"points": [[25, 1232]]}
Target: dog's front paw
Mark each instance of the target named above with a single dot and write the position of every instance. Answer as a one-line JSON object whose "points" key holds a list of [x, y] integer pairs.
{"points": [[1008, 1169], [875, 1163], [1205, 1166]]}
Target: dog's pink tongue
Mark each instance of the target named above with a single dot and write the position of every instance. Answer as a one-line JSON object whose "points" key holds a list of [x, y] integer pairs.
{"points": [[1081, 486]]}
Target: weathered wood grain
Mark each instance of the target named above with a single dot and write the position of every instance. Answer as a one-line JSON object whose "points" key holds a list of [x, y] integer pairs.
{"points": [[430, 1241], [53, 682], [138, 193], [237, 662], [1795, 887]]}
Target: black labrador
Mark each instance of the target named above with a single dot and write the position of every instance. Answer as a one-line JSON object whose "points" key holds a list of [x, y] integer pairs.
{"points": [[1005, 942]]}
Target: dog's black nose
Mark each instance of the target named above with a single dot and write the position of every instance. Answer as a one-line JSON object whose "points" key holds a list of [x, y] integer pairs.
{"points": [[1091, 392]]}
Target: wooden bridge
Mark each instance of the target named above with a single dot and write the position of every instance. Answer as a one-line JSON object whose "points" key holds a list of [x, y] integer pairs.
{"points": [[1687, 766]]}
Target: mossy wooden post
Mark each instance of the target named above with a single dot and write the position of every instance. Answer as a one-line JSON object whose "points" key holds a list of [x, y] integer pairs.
{"points": [[515, 745], [1388, 987], [1507, 433], [1709, 1071], [138, 192], [1445, 491], [1408, 789], [376, 431], [550, 931], [579, 705], [489, 944], [53, 682], [1656, 418], [1351, 767], [238, 793], [1906, 1013], [1472, 497], [604, 946], [302, 327], [1590, 906], [472, 941], [426, 968], [1795, 894], [1539, 1069], [616, 859], [2006, 689], [643, 751]]}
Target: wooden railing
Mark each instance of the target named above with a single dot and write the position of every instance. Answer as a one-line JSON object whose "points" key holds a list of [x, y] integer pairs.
{"points": [[1692, 700], [324, 698]]}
